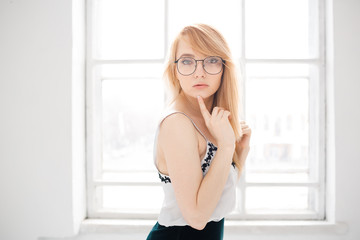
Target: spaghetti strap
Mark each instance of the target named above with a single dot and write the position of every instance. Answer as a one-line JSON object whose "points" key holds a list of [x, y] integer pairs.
{"points": [[191, 121]]}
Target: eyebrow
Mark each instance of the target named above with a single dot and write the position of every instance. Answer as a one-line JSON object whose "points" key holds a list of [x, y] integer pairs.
{"points": [[186, 55]]}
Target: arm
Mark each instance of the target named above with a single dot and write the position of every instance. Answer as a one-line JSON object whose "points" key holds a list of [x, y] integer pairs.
{"points": [[197, 196]]}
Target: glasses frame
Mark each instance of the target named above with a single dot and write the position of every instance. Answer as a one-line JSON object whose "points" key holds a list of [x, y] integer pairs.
{"points": [[203, 65]]}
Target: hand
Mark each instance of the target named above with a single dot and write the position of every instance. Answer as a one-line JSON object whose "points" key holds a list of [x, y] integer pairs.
{"points": [[218, 124], [244, 140]]}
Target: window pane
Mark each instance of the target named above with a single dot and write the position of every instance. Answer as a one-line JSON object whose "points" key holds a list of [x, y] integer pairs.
{"points": [[281, 28], [277, 70], [144, 199], [131, 70], [225, 16], [277, 199], [277, 109], [130, 113], [116, 38], [130, 176], [277, 175]]}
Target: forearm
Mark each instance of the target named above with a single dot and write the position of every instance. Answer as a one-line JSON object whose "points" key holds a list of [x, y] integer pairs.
{"points": [[213, 183]]}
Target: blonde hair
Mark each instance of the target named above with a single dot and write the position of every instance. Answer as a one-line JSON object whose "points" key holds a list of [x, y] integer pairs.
{"points": [[208, 41]]}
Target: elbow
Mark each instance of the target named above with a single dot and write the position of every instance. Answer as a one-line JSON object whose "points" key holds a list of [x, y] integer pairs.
{"points": [[197, 223], [196, 217]]}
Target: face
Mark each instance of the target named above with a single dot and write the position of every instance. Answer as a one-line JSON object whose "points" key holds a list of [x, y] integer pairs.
{"points": [[200, 82]]}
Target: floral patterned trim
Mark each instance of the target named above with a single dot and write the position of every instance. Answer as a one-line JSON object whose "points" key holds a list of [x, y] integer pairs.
{"points": [[210, 155], [233, 164], [164, 179]]}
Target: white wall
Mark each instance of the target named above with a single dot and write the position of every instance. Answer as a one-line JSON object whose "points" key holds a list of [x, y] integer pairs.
{"points": [[347, 112], [41, 139], [42, 133]]}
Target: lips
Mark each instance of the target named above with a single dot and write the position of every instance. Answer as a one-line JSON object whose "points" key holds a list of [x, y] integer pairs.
{"points": [[200, 85]]}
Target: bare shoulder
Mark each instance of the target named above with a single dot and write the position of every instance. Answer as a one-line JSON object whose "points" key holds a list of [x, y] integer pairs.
{"points": [[177, 127], [177, 143]]}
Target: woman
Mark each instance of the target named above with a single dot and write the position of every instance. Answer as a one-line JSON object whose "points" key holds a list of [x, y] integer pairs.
{"points": [[200, 146]]}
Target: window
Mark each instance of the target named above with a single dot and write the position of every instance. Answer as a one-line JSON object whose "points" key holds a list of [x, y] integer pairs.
{"points": [[279, 46]]}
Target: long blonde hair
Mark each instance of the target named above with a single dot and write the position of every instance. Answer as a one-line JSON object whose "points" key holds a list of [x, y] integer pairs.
{"points": [[208, 41]]}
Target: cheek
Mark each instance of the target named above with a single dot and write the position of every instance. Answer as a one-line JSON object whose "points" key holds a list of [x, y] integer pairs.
{"points": [[217, 82], [178, 79], [184, 84], [182, 81]]}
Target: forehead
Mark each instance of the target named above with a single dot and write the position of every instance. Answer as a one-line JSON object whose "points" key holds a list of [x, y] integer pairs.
{"points": [[185, 48]]}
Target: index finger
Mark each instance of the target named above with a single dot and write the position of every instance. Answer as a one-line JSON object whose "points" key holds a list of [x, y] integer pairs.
{"points": [[203, 109]]}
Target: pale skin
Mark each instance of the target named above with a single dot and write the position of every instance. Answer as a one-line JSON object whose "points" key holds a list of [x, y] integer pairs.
{"points": [[181, 147]]}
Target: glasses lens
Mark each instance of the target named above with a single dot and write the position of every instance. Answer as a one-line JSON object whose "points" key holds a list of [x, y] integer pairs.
{"points": [[186, 66], [213, 65]]}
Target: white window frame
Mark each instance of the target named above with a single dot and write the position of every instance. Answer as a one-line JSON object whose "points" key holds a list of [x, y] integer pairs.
{"points": [[93, 120]]}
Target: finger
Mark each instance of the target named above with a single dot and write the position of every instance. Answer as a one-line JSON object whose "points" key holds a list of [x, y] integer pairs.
{"points": [[205, 113], [215, 111], [220, 114], [246, 131], [226, 115], [244, 126]]}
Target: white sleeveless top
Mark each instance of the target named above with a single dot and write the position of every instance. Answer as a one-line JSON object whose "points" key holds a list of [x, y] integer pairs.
{"points": [[170, 214]]}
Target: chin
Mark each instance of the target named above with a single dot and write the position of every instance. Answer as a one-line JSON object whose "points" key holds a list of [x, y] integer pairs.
{"points": [[194, 94], [203, 95]]}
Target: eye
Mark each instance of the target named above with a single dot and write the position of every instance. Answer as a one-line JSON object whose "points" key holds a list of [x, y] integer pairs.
{"points": [[187, 61], [213, 60]]}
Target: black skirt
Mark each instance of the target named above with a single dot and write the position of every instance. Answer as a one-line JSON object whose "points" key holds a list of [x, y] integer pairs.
{"points": [[212, 231]]}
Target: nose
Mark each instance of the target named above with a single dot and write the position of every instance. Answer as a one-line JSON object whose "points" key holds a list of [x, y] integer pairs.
{"points": [[199, 71]]}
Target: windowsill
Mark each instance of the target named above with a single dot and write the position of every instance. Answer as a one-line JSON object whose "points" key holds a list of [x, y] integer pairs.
{"points": [[231, 226]]}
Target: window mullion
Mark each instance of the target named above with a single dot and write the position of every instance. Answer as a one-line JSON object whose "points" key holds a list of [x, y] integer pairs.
{"points": [[282, 61], [125, 61], [166, 27], [284, 184], [241, 193], [92, 113], [97, 183], [322, 96]]}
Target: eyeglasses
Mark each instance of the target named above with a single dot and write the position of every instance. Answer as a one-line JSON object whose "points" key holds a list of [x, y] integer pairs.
{"points": [[187, 65]]}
